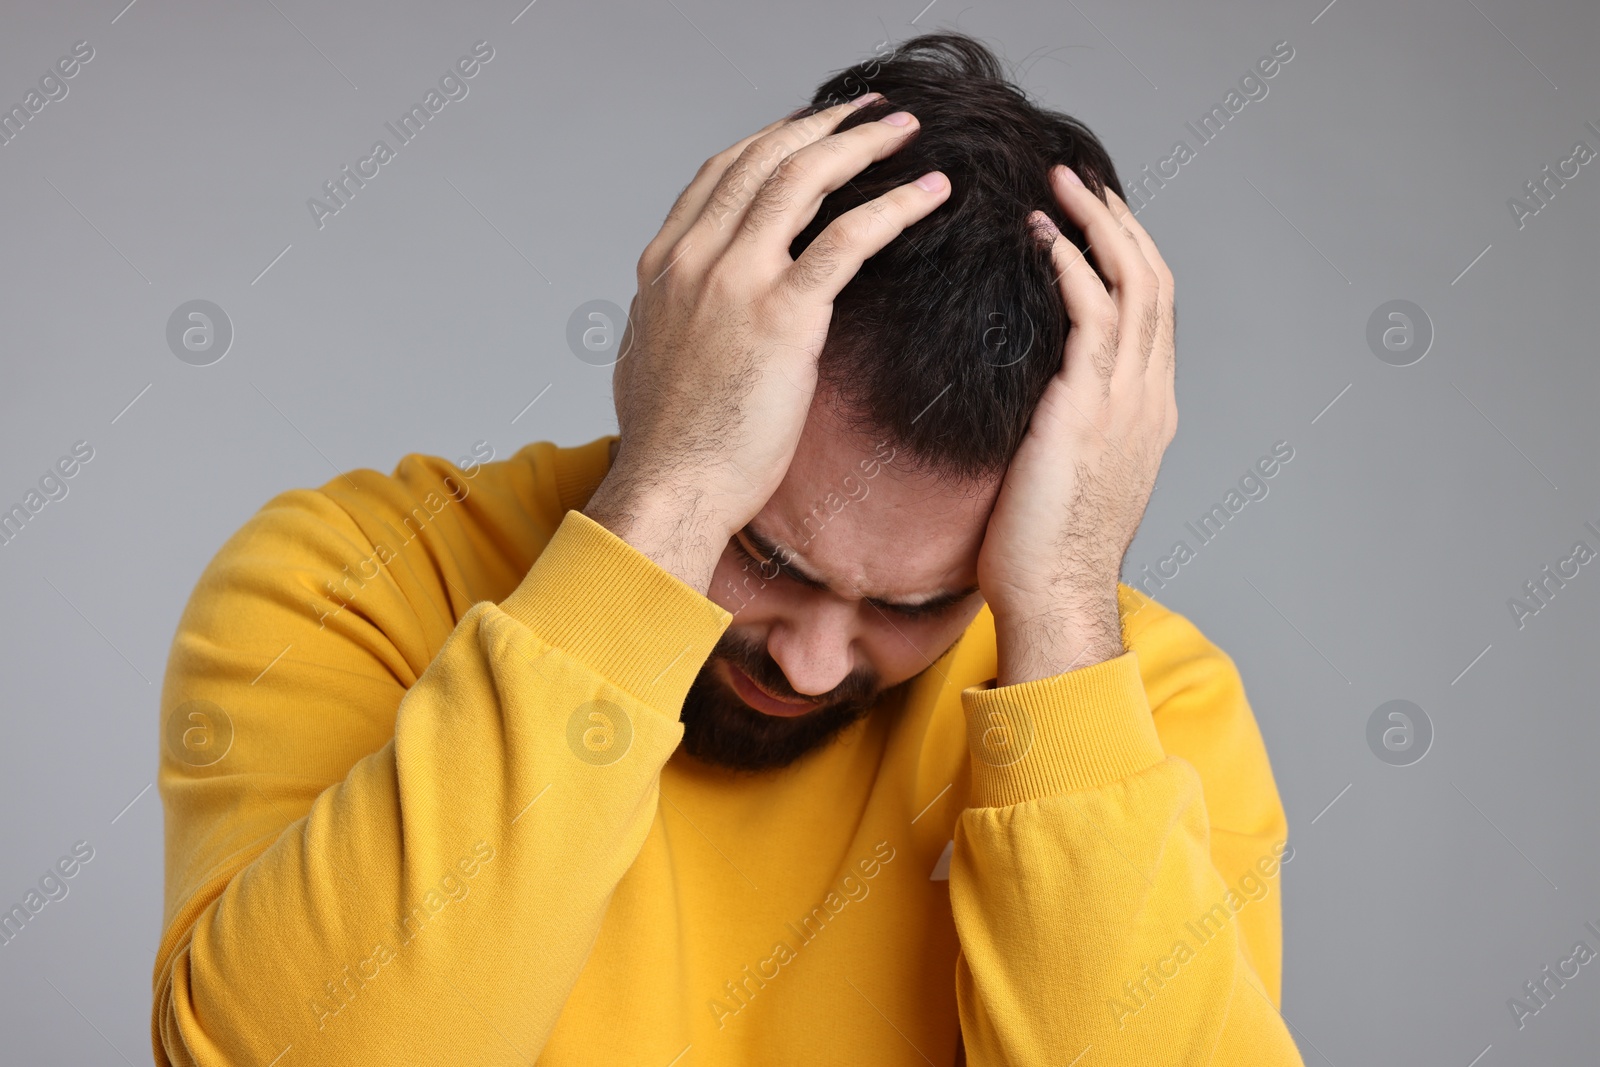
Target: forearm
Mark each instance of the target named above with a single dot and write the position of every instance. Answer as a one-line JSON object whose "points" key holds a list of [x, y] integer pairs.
{"points": [[1085, 859], [492, 829], [671, 526], [1063, 634]]}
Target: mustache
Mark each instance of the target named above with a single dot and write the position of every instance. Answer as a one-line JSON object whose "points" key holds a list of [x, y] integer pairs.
{"points": [[751, 657]]}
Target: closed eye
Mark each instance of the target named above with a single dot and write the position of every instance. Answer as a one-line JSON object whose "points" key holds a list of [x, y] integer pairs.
{"points": [[744, 553], [917, 611], [911, 612]]}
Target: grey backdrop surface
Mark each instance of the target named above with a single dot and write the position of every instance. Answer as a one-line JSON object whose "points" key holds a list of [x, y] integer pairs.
{"points": [[431, 310]]}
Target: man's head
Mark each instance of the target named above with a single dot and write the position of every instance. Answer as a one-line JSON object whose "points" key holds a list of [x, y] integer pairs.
{"points": [[861, 570]]}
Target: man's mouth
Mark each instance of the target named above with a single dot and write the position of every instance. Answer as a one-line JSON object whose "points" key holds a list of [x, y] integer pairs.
{"points": [[760, 699]]}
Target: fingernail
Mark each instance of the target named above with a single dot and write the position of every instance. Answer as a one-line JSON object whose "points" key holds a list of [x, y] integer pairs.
{"points": [[1072, 176], [931, 182], [866, 98], [1044, 226], [899, 118]]}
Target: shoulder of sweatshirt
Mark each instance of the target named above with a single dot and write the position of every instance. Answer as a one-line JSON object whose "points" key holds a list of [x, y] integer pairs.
{"points": [[310, 622], [491, 518], [393, 560]]}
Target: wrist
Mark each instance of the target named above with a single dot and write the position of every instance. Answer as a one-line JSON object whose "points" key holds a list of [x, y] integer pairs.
{"points": [[1046, 640], [668, 525]]}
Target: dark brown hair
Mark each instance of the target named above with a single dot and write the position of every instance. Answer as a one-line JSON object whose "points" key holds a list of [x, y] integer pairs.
{"points": [[944, 341]]}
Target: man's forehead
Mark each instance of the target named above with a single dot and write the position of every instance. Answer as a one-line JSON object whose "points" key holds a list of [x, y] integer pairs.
{"points": [[847, 514]]}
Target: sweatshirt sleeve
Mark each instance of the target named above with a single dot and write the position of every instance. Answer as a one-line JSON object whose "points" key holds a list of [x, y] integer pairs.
{"points": [[1114, 877], [349, 845]]}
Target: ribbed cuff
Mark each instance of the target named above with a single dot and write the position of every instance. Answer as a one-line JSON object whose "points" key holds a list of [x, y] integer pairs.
{"points": [[602, 601], [1068, 732]]}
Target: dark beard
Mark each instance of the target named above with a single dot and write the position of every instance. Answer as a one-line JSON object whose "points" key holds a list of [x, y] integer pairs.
{"points": [[724, 731]]}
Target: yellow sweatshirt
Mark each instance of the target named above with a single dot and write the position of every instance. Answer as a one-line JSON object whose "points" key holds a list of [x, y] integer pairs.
{"points": [[423, 806]]}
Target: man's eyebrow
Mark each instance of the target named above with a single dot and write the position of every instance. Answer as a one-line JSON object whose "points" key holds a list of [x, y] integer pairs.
{"points": [[771, 551]]}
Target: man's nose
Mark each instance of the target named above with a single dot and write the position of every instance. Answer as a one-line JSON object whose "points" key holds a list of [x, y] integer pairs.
{"points": [[814, 647]]}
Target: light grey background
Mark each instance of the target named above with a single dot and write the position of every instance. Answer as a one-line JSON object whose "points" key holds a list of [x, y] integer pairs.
{"points": [[429, 312]]}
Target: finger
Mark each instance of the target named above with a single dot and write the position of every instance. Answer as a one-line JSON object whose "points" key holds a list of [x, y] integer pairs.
{"points": [[1147, 244], [1090, 354], [1161, 371], [692, 200], [732, 193], [1162, 362], [834, 256], [792, 196], [1132, 281]]}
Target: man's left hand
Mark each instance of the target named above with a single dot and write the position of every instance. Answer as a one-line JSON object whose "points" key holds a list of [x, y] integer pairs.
{"points": [[1077, 487]]}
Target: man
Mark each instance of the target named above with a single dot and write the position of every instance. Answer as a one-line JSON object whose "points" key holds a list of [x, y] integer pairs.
{"points": [[806, 721]]}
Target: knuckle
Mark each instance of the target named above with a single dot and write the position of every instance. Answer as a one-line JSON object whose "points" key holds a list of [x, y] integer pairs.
{"points": [[791, 170], [1105, 319], [829, 249], [721, 286], [717, 209], [804, 276], [717, 163], [815, 265], [727, 196], [833, 144], [671, 264], [1103, 358], [781, 143], [756, 159], [1149, 324], [769, 205], [851, 229], [774, 148]]}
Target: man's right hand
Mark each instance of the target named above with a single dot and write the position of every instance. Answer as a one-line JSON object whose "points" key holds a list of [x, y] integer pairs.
{"points": [[719, 358]]}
